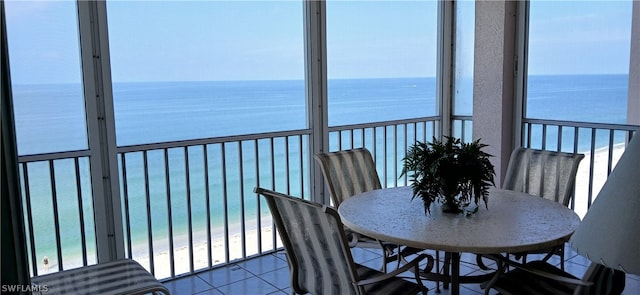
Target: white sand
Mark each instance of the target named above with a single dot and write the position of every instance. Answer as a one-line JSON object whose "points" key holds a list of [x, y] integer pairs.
{"points": [[181, 256], [200, 250], [600, 173]]}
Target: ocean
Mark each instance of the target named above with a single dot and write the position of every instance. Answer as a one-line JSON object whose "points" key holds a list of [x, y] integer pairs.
{"points": [[49, 118]]}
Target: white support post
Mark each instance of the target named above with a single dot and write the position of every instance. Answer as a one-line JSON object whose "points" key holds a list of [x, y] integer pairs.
{"points": [[92, 16], [494, 79], [316, 91], [521, 70], [444, 88]]}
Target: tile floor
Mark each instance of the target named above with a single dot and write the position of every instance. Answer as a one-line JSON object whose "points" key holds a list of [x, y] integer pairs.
{"points": [[269, 274]]}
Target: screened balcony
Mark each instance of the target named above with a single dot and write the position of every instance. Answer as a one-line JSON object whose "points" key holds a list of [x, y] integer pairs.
{"points": [[185, 208]]}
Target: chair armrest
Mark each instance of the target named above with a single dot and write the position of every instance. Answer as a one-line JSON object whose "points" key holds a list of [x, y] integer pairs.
{"points": [[555, 277], [414, 263], [530, 268]]}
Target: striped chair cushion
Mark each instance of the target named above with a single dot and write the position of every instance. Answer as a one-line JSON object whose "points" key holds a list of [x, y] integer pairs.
{"points": [[348, 172], [319, 258], [547, 174], [117, 277], [606, 281], [321, 265]]}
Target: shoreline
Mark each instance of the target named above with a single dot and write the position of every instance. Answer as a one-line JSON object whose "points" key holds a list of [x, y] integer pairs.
{"points": [[181, 251]]}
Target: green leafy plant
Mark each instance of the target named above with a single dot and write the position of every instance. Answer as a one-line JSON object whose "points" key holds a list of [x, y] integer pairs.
{"points": [[449, 171]]}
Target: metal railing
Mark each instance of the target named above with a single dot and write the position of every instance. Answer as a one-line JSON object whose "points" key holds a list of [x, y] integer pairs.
{"points": [[602, 144], [387, 141], [58, 210], [189, 205]]}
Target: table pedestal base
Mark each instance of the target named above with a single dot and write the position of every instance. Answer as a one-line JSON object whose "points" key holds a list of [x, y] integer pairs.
{"points": [[451, 275]]}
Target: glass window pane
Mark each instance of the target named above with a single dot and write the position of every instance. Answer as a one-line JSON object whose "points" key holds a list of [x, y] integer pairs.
{"points": [[46, 76], [578, 61], [464, 46], [198, 69], [381, 60]]}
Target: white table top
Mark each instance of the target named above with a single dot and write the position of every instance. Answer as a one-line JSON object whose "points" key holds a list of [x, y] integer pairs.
{"points": [[514, 222]]}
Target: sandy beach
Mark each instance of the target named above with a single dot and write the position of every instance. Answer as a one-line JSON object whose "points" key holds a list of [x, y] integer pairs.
{"points": [[181, 251], [162, 264], [600, 172]]}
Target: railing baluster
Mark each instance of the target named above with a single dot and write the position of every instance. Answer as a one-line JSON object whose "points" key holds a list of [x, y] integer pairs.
{"points": [[167, 179], [286, 165], [225, 206], [256, 155], [243, 226], [125, 197], [187, 183], [591, 169], [384, 153], [610, 156], [273, 184], [576, 140], [301, 167], [559, 147], [351, 133], [32, 243], [147, 195], [83, 238], [374, 142], [56, 214], [529, 130], [544, 136], [395, 155], [207, 201]]}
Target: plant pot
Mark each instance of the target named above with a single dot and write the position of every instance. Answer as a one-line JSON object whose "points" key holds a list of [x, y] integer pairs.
{"points": [[450, 208]]}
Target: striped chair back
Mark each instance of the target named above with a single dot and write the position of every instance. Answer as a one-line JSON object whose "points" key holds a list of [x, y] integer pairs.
{"points": [[606, 281], [319, 258], [348, 172], [547, 174]]}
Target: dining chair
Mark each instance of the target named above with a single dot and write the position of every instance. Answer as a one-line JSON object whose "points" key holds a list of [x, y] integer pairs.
{"points": [[347, 173], [319, 258], [539, 277], [547, 174]]}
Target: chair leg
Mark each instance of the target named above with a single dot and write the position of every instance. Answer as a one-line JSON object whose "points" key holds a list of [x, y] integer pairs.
{"points": [[384, 260], [556, 251], [438, 270], [561, 254], [446, 269]]}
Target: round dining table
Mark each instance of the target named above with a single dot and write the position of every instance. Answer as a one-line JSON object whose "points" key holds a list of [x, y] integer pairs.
{"points": [[513, 222]]}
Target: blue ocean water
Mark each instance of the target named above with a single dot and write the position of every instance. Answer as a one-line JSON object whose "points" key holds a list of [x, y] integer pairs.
{"points": [[582, 98], [49, 118]]}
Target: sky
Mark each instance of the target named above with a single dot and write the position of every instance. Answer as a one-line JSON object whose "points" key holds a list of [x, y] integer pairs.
{"points": [[263, 40], [578, 37]]}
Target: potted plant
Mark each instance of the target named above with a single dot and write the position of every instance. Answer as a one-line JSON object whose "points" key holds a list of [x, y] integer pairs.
{"points": [[449, 171]]}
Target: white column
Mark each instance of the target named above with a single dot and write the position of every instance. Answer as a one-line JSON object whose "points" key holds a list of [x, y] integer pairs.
{"points": [[444, 89], [316, 89], [494, 77], [92, 16]]}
